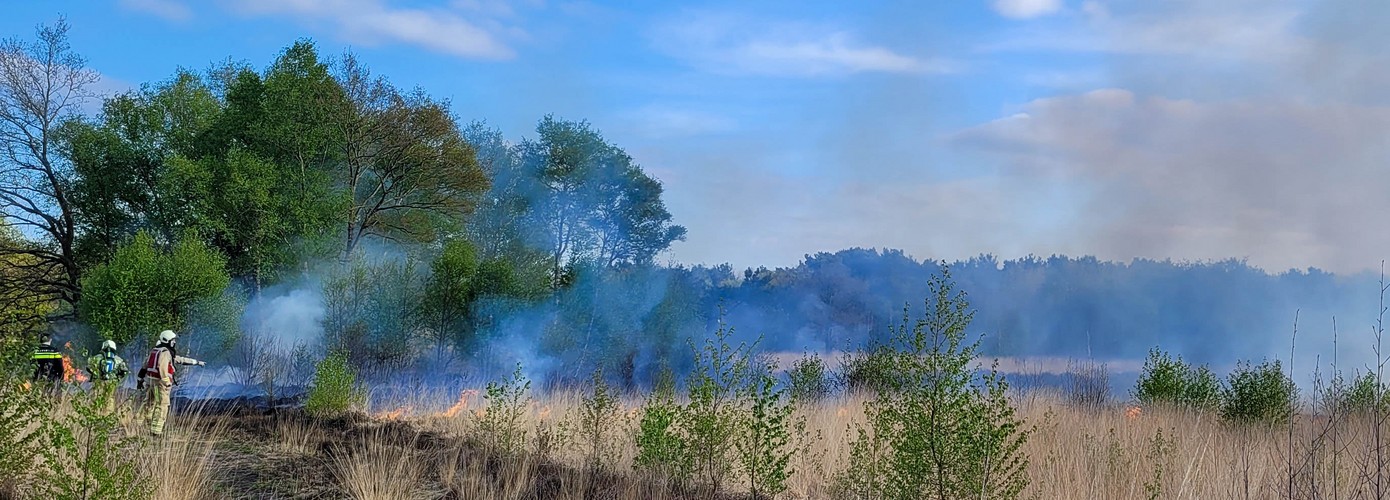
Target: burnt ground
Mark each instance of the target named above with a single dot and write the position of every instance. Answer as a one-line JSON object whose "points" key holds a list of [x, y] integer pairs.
{"points": [[247, 462]]}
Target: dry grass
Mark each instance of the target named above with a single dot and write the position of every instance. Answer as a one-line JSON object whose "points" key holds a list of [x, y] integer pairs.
{"points": [[432, 451]]}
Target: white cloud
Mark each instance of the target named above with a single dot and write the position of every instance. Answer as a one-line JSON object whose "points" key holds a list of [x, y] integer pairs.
{"points": [[730, 45], [1284, 183], [171, 10], [372, 22], [1023, 9], [659, 121]]}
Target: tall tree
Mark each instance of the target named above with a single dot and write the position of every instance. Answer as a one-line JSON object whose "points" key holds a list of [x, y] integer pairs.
{"points": [[405, 161], [42, 85]]}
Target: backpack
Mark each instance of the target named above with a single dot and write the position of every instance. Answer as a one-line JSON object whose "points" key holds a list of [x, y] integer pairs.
{"points": [[107, 367]]}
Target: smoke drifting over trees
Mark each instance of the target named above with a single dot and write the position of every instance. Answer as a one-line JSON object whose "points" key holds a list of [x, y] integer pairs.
{"points": [[347, 213]]}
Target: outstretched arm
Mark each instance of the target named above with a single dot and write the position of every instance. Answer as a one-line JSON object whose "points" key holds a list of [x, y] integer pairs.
{"points": [[187, 361]]}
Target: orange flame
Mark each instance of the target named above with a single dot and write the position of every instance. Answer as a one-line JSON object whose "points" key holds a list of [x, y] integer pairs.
{"points": [[1133, 412], [71, 373], [26, 386], [394, 414], [545, 412], [462, 403]]}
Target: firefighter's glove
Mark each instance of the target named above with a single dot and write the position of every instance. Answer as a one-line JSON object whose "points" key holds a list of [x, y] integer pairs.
{"points": [[140, 384], [202, 363]]}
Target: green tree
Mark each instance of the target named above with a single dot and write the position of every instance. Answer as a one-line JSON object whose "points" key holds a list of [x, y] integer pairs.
{"points": [[144, 289], [449, 293], [940, 431], [1165, 380], [1260, 393]]}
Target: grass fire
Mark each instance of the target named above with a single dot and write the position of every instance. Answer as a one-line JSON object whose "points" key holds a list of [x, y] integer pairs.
{"points": [[377, 249]]}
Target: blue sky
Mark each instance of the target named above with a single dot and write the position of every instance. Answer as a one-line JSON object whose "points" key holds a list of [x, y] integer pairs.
{"points": [[1185, 129]]}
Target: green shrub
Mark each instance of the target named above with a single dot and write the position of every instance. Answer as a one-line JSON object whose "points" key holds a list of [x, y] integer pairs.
{"points": [[1359, 396], [600, 420], [334, 390], [83, 459], [942, 431], [870, 370], [21, 410], [709, 419], [660, 446], [764, 436], [808, 379], [1173, 382], [500, 425], [1259, 394]]}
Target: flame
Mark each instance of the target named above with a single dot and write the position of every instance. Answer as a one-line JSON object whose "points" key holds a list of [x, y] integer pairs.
{"points": [[394, 414], [462, 403], [26, 386], [71, 373], [545, 412], [841, 412], [1133, 412]]}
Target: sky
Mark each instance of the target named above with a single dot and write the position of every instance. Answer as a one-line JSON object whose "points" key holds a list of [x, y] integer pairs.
{"points": [[1182, 129]]}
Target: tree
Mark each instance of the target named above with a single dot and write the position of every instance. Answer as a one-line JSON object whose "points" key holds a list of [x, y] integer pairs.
{"points": [[405, 160], [22, 311], [145, 289], [449, 293], [595, 202], [42, 85]]}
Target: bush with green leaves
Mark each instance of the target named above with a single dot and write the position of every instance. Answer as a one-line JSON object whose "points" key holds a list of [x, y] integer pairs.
{"points": [[661, 449], [710, 418], [945, 431], [334, 390], [600, 420], [500, 425], [84, 459], [1173, 382], [764, 438], [1360, 395], [145, 288], [808, 380], [1259, 394], [870, 370], [21, 409]]}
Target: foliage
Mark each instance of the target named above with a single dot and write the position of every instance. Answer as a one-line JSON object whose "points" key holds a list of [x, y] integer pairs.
{"points": [[1361, 395], [84, 459], [764, 438], [500, 424], [599, 424], [710, 418], [334, 390], [372, 310], [808, 379], [942, 432], [661, 448], [21, 408], [144, 289], [1168, 381], [449, 293], [871, 370], [1258, 394], [1088, 385], [23, 311]]}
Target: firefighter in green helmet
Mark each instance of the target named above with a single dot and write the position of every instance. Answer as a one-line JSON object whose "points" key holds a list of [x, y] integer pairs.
{"points": [[107, 370]]}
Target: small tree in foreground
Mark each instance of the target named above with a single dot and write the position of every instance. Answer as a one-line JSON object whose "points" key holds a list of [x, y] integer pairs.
{"points": [[1169, 381], [944, 432]]}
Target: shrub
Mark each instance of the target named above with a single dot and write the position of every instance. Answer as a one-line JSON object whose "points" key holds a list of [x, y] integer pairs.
{"points": [[82, 459], [943, 431], [500, 421], [870, 370], [709, 420], [1361, 395], [600, 417], [660, 446], [334, 390], [1169, 381], [1088, 385], [764, 439], [808, 380], [1259, 394], [21, 408]]}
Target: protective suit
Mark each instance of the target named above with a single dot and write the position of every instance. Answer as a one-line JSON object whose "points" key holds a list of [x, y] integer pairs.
{"points": [[107, 370], [157, 378]]}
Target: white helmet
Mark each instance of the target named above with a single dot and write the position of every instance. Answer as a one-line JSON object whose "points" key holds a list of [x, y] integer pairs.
{"points": [[109, 345], [167, 336]]}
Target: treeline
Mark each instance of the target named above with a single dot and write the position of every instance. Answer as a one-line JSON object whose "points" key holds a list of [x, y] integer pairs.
{"points": [[179, 202]]}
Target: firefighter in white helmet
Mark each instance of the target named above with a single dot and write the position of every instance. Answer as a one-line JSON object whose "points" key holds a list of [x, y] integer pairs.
{"points": [[108, 370], [159, 369]]}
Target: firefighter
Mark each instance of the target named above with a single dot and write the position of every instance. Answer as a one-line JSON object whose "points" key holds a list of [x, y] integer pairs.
{"points": [[48, 362], [107, 370], [159, 369]]}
